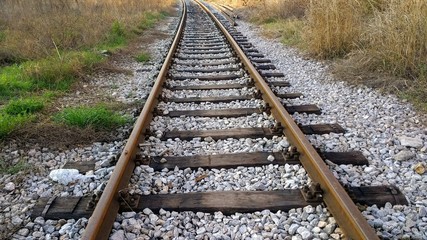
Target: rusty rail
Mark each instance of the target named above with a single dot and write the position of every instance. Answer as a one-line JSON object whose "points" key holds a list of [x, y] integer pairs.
{"points": [[102, 219], [348, 216]]}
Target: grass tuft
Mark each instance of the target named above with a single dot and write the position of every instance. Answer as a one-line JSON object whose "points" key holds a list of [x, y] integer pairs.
{"points": [[117, 36], [2, 36], [23, 106], [143, 57], [7, 168], [288, 30], [150, 18], [59, 73], [99, 118], [8, 123], [12, 82]]}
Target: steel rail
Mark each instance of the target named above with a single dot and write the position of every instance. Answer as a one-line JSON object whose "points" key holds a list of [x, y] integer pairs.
{"points": [[106, 210], [342, 207]]}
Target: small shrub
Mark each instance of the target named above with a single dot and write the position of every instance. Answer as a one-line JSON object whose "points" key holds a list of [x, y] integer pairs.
{"points": [[23, 106], [95, 117], [143, 57]]}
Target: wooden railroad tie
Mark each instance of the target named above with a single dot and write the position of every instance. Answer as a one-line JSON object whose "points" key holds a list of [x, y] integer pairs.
{"points": [[228, 202], [215, 77], [213, 63], [239, 112], [224, 99], [209, 87], [211, 70], [258, 132], [229, 160], [255, 159], [201, 57]]}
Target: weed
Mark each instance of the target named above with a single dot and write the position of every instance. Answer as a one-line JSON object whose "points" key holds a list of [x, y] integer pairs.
{"points": [[118, 29], [23, 106], [98, 117], [143, 57], [8, 168]]}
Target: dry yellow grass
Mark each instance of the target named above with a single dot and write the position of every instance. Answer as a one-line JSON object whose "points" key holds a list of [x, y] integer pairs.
{"points": [[397, 38], [333, 27], [34, 29], [384, 42], [267, 9]]}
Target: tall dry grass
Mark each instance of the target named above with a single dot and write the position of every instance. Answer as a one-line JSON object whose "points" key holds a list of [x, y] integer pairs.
{"points": [[34, 29], [333, 27], [397, 38], [263, 10]]}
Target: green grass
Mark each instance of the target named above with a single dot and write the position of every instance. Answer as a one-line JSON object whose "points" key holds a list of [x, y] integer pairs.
{"points": [[7, 168], [150, 18], [13, 82], [24, 106], [27, 87], [51, 73], [117, 37], [98, 117], [288, 30], [56, 73], [143, 57], [8, 123], [2, 36]]}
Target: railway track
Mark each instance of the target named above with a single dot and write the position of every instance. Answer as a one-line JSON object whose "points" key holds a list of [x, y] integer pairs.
{"points": [[219, 104]]}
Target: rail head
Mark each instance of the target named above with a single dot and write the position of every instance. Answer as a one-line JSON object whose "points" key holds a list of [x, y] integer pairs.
{"points": [[105, 212], [342, 207]]}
